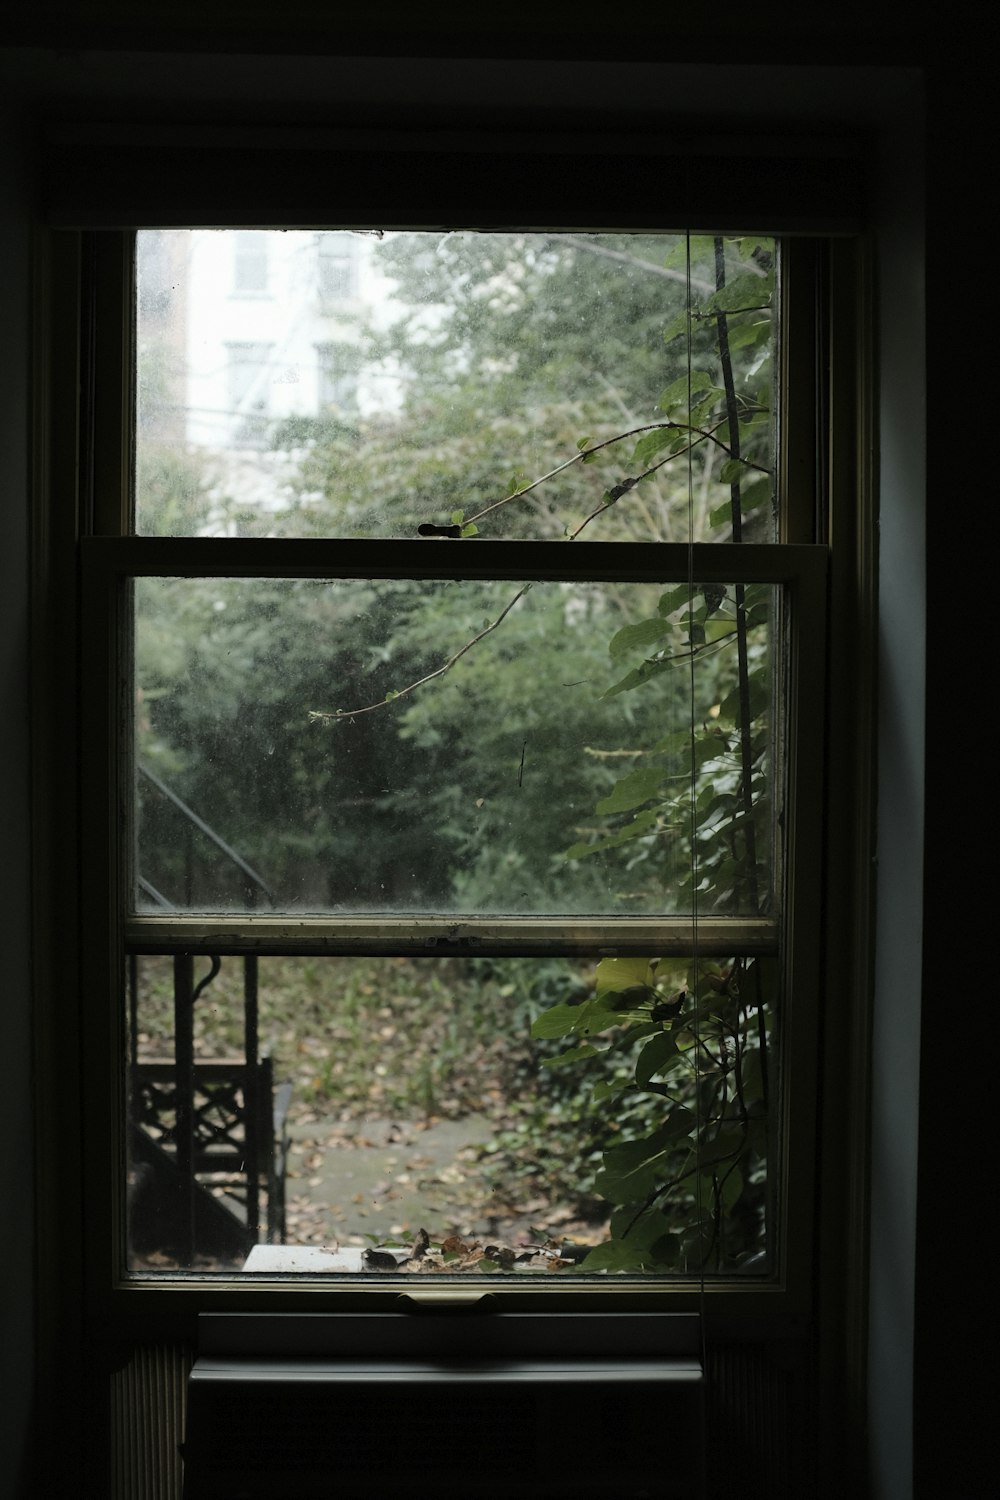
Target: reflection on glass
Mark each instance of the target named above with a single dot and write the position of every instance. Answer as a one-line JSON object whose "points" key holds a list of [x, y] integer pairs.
{"points": [[299, 747], [450, 1116], [346, 383]]}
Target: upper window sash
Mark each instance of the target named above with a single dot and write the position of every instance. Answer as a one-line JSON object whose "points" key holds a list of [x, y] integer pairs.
{"points": [[591, 367], [799, 571], [801, 565]]}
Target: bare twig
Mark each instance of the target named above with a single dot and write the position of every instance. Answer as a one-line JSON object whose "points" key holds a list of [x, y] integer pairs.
{"points": [[580, 242], [701, 434], [353, 713]]}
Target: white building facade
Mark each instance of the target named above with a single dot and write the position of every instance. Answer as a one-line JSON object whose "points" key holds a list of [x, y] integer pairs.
{"points": [[244, 331]]}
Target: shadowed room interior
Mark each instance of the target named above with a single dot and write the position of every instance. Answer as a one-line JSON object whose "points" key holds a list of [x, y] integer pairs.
{"points": [[891, 1363]]}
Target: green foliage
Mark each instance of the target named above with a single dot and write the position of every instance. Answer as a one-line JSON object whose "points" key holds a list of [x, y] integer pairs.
{"points": [[684, 1155]]}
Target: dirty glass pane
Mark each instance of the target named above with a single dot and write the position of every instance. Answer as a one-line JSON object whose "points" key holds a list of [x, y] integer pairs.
{"points": [[461, 1115], [365, 383], [406, 746]]}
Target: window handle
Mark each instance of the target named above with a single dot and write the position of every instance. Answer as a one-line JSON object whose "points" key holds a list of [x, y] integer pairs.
{"points": [[447, 1299]]}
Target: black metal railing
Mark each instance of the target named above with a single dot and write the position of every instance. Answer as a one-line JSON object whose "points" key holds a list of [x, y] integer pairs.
{"points": [[204, 1130]]}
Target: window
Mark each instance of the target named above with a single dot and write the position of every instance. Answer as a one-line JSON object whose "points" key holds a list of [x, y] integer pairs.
{"points": [[569, 781], [338, 377], [249, 263], [248, 378], [175, 894], [139, 1309], [337, 267]]}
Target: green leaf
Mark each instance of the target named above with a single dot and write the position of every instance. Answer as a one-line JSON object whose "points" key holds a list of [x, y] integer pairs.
{"points": [[637, 677], [731, 1188], [675, 327], [752, 1076], [720, 628], [742, 292], [640, 1228], [702, 409], [697, 1242], [756, 492], [573, 1055], [677, 393], [709, 747], [727, 1146], [750, 335], [676, 743], [560, 1020], [751, 242], [643, 822], [610, 1088], [699, 246], [614, 1255], [635, 1168], [457, 517], [594, 1015], [651, 444], [632, 1170], [633, 790], [470, 530], [636, 1033], [582, 443], [674, 599], [619, 1009], [732, 471], [654, 1057], [758, 696], [639, 636], [617, 974]]}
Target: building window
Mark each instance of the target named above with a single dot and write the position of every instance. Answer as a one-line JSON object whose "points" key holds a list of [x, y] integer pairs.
{"points": [[337, 267], [248, 381], [250, 263], [337, 377]]}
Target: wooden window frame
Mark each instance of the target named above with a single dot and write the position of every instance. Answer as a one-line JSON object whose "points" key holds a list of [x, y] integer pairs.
{"points": [[91, 293]]}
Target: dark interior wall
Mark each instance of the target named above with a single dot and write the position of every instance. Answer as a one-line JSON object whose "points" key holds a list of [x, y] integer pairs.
{"points": [[17, 1279], [955, 1284], [64, 72]]}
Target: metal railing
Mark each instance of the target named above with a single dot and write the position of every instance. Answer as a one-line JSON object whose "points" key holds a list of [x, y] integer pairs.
{"points": [[246, 1144]]}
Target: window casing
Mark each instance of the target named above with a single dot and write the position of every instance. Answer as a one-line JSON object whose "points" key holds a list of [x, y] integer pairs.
{"points": [[795, 565]]}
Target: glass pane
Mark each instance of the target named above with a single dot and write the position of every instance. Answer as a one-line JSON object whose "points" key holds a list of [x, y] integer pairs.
{"points": [[365, 383], [407, 746], [475, 1116]]}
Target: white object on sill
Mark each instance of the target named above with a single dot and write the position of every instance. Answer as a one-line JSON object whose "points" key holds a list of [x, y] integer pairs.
{"points": [[307, 1260]]}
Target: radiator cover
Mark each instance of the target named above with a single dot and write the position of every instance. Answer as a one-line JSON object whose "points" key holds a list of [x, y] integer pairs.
{"points": [[363, 1404]]}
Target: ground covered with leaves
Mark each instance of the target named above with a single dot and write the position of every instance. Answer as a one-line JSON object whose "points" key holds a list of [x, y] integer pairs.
{"points": [[418, 1097]]}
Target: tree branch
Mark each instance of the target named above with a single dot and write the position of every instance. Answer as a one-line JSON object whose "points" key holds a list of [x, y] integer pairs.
{"points": [[746, 753], [580, 242], [702, 434], [369, 708]]}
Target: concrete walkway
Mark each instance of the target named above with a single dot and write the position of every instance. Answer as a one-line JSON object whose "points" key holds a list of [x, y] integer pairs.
{"points": [[386, 1179]]}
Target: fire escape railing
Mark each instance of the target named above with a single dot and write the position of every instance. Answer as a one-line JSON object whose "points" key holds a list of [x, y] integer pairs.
{"points": [[220, 1119]]}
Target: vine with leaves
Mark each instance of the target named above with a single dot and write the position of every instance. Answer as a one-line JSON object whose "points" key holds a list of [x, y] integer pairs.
{"points": [[678, 1049]]}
